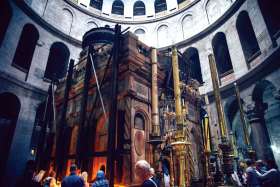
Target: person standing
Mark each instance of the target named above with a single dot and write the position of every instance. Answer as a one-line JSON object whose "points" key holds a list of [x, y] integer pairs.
{"points": [[50, 181], [260, 167], [252, 178], [101, 181], [84, 176], [73, 180], [154, 177], [143, 172], [271, 178], [27, 179]]}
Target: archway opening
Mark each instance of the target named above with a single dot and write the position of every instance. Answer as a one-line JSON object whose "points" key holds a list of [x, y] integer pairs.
{"points": [[271, 15], [26, 47], [221, 53], [57, 61], [265, 94], [247, 36], [139, 8], [193, 68], [9, 111], [97, 4], [160, 5], [118, 7], [5, 18]]}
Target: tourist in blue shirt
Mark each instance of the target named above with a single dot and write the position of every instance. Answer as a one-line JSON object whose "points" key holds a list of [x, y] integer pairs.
{"points": [[73, 180], [101, 181]]}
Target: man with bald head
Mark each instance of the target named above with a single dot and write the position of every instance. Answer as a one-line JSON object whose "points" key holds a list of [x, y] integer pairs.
{"points": [[144, 175]]}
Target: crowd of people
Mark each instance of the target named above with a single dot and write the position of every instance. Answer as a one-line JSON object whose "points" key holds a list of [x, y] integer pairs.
{"points": [[41, 179], [249, 174], [257, 174], [145, 175]]}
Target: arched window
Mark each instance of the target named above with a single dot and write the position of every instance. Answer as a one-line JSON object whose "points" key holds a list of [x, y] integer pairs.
{"points": [[96, 4], [271, 14], [57, 61], [139, 8], [6, 14], [160, 5], [216, 8], [66, 21], [140, 33], [117, 7], [180, 1], [139, 121], [247, 36], [162, 36], [9, 110], [26, 46], [188, 26], [221, 54], [193, 64]]}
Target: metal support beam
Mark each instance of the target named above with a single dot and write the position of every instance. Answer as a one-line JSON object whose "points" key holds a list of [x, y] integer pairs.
{"points": [[113, 109], [61, 149]]}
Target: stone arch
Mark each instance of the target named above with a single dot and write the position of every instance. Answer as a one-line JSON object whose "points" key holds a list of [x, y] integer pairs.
{"points": [[26, 47], [192, 59], [140, 32], [67, 20], [140, 111], [5, 18], [187, 22], [160, 5], [221, 53], [57, 61], [162, 35], [267, 107], [140, 136], [97, 4], [235, 125], [180, 1], [139, 8], [9, 112], [91, 24], [118, 7], [215, 9], [139, 121], [247, 36], [258, 91], [271, 14]]}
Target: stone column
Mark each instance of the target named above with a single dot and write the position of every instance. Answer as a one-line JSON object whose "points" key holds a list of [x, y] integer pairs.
{"points": [[259, 133], [155, 114]]}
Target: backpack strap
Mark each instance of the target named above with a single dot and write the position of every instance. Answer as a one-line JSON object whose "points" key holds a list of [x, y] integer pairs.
{"points": [[153, 182]]}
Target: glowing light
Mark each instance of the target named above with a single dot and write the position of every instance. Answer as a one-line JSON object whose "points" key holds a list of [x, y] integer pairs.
{"points": [[275, 149], [32, 152], [119, 185]]}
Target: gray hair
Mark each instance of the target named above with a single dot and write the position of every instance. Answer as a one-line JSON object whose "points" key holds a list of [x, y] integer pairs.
{"points": [[142, 169]]}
